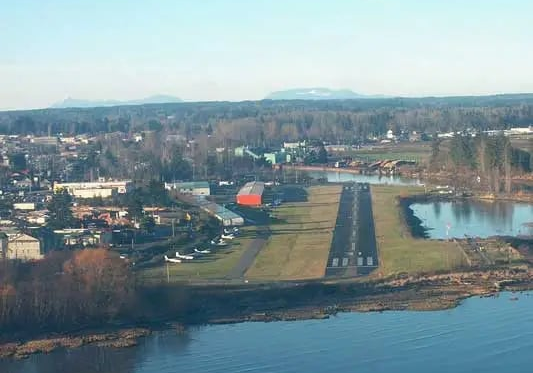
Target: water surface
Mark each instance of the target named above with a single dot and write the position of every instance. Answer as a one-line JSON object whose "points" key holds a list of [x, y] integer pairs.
{"points": [[482, 335], [340, 176], [475, 218]]}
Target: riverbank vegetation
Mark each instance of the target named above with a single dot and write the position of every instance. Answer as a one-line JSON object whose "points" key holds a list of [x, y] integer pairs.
{"points": [[486, 163], [300, 238], [65, 290], [399, 251]]}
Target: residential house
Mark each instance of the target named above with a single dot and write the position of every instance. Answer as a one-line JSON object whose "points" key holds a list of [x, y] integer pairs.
{"points": [[18, 245]]}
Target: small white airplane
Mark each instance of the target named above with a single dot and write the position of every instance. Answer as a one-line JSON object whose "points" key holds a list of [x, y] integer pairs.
{"points": [[202, 251], [172, 260], [227, 236], [186, 257], [219, 242]]}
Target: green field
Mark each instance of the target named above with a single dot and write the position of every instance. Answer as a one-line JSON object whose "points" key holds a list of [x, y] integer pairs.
{"points": [[418, 152], [398, 251], [300, 241], [212, 266]]}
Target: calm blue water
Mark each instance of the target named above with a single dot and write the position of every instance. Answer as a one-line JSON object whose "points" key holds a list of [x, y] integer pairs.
{"points": [[482, 335], [475, 218], [337, 177]]}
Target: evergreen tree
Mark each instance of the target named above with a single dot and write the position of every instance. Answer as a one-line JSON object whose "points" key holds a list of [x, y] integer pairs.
{"points": [[322, 156], [60, 213]]}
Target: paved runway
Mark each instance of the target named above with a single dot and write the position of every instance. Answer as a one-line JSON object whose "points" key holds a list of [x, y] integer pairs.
{"points": [[353, 249]]}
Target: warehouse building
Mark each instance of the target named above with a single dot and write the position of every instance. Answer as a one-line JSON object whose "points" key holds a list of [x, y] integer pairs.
{"points": [[251, 194], [224, 215], [104, 189], [194, 188]]}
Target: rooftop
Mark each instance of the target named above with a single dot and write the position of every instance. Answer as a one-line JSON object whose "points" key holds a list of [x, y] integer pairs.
{"points": [[253, 187], [191, 184], [220, 211]]}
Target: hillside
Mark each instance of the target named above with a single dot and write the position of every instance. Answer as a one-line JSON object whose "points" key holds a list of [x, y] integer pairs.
{"points": [[81, 103]]}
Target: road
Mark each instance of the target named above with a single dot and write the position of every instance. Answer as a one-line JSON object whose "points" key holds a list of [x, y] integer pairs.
{"points": [[248, 257], [353, 249]]}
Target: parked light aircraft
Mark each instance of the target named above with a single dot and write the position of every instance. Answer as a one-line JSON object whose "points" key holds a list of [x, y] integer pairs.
{"points": [[186, 257], [172, 260]]}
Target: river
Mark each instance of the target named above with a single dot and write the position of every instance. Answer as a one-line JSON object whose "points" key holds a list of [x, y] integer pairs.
{"points": [[475, 218], [340, 176], [482, 335]]}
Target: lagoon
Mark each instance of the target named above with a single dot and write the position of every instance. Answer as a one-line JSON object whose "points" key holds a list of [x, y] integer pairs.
{"points": [[474, 218]]}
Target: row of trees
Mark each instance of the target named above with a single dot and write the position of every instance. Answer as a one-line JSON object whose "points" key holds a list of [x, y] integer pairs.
{"points": [[282, 120], [65, 290], [481, 159]]}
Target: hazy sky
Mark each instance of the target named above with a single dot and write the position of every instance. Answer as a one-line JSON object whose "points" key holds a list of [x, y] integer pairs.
{"points": [[243, 49]]}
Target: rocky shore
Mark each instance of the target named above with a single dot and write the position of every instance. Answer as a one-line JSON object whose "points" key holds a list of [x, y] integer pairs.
{"points": [[319, 300], [119, 339], [423, 293]]}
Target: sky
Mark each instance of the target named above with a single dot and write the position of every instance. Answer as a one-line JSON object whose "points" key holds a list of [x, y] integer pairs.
{"points": [[203, 50]]}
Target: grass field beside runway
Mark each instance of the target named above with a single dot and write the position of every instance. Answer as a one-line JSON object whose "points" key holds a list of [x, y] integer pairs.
{"points": [[300, 238], [398, 250], [216, 265]]}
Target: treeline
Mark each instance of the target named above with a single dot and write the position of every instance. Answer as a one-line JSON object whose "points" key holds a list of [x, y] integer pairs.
{"points": [[489, 161], [66, 290], [264, 122]]}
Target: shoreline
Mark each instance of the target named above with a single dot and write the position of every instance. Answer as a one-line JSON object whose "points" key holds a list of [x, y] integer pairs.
{"points": [[214, 303], [482, 196], [408, 293], [120, 338]]}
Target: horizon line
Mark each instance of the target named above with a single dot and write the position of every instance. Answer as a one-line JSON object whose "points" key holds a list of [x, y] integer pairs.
{"points": [[185, 101]]}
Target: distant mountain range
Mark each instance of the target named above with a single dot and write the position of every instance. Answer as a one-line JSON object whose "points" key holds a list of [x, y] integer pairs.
{"points": [[80, 103], [318, 94]]}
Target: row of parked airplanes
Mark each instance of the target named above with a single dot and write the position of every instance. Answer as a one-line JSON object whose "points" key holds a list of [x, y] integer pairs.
{"points": [[222, 240]]}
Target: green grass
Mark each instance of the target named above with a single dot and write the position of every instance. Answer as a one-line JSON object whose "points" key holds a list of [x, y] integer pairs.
{"points": [[212, 266], [409, 152], [299, 245], [398, 250]]}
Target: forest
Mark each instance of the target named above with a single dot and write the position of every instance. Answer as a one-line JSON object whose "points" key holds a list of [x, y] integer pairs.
{"points": [[267, 121], [65, 290], [488, 161]]}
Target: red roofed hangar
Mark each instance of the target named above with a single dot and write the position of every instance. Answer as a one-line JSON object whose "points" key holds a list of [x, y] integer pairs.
{"points": [[251, 194]]}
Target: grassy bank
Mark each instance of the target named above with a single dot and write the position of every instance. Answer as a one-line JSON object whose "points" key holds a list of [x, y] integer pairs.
{"points": [[398, 250], [300, 240]]}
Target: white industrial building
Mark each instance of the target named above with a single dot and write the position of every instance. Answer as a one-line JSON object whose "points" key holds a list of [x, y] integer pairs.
{"points": [[194, 188], [24, 206], [103, 189]]}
